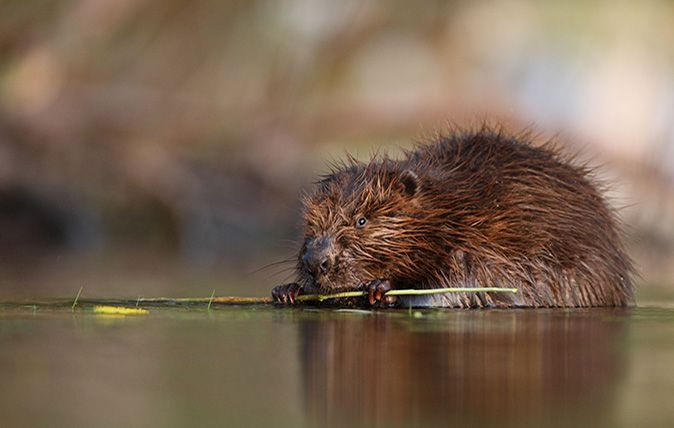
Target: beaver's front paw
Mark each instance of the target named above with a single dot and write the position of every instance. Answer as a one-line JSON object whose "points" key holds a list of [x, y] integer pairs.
{"points": [[286, 293], [375, 293]]}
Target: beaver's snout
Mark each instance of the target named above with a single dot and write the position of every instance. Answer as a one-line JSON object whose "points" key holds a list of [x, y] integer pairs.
{"points": [[319, 256]]}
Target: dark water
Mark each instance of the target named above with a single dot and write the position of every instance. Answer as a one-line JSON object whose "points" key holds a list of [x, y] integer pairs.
{"points": [[258, 366]]}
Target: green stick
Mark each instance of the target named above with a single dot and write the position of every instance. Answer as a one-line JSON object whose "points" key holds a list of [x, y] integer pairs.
{"points": [[210, 302], [411, 292]]}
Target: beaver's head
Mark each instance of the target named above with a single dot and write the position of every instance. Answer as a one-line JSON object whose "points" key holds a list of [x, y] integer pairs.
{"points": [[361, 224]]}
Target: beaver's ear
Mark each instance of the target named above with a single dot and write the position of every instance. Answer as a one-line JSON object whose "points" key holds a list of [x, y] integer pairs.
{"points": [[410, 182]]}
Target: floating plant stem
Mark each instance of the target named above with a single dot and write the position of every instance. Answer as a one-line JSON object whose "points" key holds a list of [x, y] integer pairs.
{"points": [[72, 308], [210, 302]]}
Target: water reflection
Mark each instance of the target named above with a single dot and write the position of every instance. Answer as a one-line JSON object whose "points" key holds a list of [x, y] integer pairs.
{"points": [[474, 367]]}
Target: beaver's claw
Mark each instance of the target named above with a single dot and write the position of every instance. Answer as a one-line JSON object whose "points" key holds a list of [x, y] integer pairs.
{"points": [[375, 293], [286, 293]]}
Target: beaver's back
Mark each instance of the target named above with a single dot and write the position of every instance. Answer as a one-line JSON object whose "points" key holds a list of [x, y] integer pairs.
{"points": [[520, 216]]}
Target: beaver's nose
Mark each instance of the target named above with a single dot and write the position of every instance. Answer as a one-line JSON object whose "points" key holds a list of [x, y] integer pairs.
{"points": [[318, 256]]}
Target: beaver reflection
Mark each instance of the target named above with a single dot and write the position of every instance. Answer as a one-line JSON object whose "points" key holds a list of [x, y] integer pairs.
{"points": [[482, 367]]}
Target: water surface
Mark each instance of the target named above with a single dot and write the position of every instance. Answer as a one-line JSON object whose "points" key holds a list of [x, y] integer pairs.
{"points": [[263, 366]]}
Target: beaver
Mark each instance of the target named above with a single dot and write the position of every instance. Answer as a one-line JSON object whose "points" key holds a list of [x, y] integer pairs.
{"points": [[480, 208]]}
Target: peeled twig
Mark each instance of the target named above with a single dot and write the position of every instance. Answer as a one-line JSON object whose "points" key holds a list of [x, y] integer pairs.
{"points": [[410, 292]]}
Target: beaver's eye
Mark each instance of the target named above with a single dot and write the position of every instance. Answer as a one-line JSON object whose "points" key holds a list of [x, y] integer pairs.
{"points": [[361, 222]]}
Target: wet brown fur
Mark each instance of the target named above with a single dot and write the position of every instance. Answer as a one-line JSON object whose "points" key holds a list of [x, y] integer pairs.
{"points": [[471, 209]]}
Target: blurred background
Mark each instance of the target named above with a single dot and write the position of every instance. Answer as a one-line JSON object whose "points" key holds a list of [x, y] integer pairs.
{"points": [[159, 147]]}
